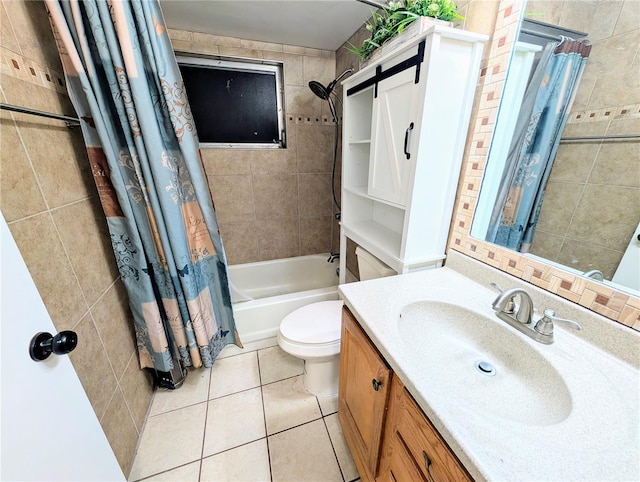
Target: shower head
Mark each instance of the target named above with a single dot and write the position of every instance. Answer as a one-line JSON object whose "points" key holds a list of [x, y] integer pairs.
{"points": [[324, 92], [319, 89]]}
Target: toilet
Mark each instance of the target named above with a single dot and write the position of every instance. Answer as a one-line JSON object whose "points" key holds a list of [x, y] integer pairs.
{"points": [[312, 332]]}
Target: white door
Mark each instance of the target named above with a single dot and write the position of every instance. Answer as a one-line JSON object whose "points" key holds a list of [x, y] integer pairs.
{"points": [[49, 430], [394, 138]]}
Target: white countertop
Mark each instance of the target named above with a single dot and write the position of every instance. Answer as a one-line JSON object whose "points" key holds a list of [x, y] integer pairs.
{"points": [[598, 440]]}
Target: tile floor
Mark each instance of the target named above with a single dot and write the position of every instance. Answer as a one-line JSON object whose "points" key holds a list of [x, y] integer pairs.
{"points": [[246, 419]]}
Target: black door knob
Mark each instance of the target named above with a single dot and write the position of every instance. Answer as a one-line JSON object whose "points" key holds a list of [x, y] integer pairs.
{"points": [[43, 344], [376, 384]]}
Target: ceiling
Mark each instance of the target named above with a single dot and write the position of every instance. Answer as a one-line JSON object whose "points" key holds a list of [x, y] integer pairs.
{"points": [[320, 24]]}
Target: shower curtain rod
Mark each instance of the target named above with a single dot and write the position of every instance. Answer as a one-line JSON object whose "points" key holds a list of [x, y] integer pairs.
{"points": [[601, 138], [372, 4], [70, 121]]}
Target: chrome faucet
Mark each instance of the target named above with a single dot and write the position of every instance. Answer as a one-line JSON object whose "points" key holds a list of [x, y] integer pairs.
{"points": [[544, 326], [595, 274], [333, 257], [504, 305], [520, 315]]}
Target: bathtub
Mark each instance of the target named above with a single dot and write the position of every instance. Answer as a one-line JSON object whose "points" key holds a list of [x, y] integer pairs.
{"points": [[263, 293]]}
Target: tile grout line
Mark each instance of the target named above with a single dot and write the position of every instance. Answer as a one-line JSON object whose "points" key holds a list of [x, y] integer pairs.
{"points": [[164, 471], [216, 398], [31, 164], [295, 426], [335, 453], [264, 417], [266, 437], [148, 417], [132, 357], [204, 428]]}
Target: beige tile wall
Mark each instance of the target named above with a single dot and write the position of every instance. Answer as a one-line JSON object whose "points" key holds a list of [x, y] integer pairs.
{"points": [[50, 202], [275, 203], [590, 211]]}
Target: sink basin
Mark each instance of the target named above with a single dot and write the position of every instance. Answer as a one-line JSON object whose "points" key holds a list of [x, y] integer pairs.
{"points": [[482, 364]]}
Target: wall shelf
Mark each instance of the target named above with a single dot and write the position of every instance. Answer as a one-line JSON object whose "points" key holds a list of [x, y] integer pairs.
{"points": [[404, 146], [362, 192]]}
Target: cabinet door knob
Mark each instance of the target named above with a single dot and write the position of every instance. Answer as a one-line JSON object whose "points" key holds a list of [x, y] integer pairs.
{"points": [[406, 140], [376, 384]]}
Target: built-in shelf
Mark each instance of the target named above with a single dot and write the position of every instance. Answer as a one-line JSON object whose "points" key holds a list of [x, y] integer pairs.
{"points": [[403, 147], [362, 192], [381, 241]]}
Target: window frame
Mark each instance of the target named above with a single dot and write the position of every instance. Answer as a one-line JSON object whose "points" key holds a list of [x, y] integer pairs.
{"points": [[244, 65]]}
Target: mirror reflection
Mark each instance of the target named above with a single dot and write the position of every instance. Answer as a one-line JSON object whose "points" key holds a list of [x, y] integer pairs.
{"points": [[562, 181]]}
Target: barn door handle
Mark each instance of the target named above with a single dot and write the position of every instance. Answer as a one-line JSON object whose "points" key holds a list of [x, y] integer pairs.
{"points": [[406, 140], [43, 344]]}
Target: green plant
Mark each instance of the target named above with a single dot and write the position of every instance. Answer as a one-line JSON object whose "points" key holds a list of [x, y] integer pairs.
{"points": [[393, 18]]}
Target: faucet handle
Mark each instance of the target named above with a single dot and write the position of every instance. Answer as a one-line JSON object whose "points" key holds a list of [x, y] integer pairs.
{"points": [[544, 325], [510, 307]]}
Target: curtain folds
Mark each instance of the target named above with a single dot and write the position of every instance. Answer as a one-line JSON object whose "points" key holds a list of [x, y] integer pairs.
{"points": [[542, 118], [126, 87]]}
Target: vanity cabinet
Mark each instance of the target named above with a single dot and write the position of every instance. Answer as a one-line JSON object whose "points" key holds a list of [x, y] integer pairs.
{"points": [[405, 123], [389, 436], [413, 449], [362, 399]]}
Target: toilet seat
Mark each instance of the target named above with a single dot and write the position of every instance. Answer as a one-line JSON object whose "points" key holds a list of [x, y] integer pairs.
{"points": [[312, 331]]}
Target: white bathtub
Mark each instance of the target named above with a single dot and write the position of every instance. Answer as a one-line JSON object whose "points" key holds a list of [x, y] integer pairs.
{"points": [[263, 293]]}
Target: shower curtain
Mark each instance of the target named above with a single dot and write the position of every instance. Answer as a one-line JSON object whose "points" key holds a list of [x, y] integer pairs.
{"points": [[126, 87], [542, 118]]}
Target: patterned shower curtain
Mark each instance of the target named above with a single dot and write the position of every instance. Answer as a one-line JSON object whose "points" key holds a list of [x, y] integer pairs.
{"points": [[126, 87], [542, 118]]}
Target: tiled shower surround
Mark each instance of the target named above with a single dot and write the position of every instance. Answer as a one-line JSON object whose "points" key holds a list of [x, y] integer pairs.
{"points": [[275, 203], [51, 204]]}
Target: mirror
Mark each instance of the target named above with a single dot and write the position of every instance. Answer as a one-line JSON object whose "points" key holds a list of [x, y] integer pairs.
{"points": [[585, 218]]}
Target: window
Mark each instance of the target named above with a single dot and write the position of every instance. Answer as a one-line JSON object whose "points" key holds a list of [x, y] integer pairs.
{"points": [[235, 103]]}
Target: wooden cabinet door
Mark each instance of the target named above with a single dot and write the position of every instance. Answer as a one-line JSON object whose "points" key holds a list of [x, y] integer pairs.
{"points": [[395, 132], [409, 435], [399, 465], [364, 388]]}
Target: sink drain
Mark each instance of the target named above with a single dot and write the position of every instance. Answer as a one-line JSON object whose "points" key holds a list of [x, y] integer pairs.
{"points": [[485, 368]]}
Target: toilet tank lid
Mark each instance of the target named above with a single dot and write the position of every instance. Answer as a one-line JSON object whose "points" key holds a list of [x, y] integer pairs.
{"points": [[314, 323]]}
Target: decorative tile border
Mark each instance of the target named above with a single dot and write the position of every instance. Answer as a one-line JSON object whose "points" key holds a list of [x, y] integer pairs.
{"points": [[15, 65], [308, 119], [631, 111], [595, 296]]}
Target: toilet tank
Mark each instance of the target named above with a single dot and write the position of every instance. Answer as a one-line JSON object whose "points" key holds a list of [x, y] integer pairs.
{"points": [[370, 267]]}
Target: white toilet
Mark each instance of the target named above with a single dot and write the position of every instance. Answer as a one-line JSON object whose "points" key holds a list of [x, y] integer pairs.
{"points": [[312, 332]]}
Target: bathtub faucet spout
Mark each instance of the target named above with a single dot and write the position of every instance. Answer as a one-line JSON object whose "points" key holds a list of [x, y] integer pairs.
{"points": [[333, 257]]}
